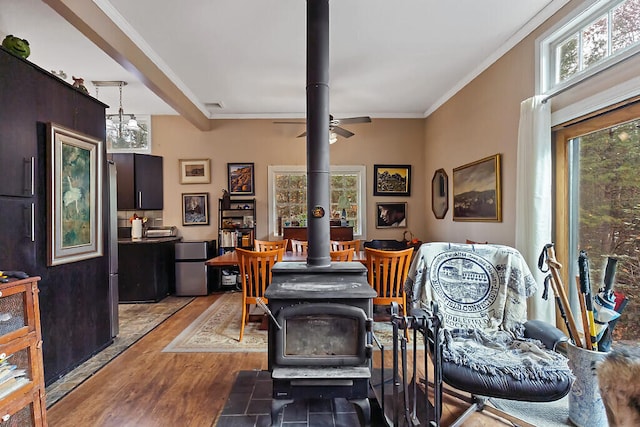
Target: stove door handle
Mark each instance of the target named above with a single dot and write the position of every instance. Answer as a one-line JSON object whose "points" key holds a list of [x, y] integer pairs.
{"points": [[263, 306]]}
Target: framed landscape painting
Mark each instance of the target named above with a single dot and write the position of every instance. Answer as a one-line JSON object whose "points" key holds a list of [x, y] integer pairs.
{"points": [[392, 180], [74, 195], [195, 171], [241, 178], [476, 191]]}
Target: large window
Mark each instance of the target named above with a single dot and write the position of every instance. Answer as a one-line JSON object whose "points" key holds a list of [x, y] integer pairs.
{"points": [[288, 197], [601, 204], [599, 37]]}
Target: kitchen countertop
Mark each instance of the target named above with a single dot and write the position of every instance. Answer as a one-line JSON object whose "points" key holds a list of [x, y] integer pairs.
{"points": [[129, 241]]}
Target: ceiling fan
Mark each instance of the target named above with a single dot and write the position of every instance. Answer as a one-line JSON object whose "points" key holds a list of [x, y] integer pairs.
{"points": [[334, 126]]}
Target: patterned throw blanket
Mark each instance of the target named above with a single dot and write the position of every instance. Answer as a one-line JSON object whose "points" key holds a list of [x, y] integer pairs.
{"points": [[481, 292]]}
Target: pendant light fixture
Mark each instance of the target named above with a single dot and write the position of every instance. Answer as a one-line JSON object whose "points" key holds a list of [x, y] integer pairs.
{"points": [[123, 130]]}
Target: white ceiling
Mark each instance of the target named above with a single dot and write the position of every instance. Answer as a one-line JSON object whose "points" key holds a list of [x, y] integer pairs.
{"points": [[389, 59]]}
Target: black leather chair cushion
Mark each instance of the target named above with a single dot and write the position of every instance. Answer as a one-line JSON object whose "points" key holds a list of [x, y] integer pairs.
{"points": [[503, 386]]}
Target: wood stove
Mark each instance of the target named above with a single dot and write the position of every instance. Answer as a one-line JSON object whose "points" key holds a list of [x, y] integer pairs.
{"points": [[320, 341], [320, 346]]}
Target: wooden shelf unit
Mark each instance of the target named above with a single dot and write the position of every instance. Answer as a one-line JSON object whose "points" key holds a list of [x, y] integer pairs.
{"points": [[21, 345], [236, 225]]}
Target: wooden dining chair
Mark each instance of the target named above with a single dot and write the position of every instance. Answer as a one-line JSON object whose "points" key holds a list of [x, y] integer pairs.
{"points": [[387, 272], [338, 245], [255, 273], [299, 246], [343, 255], [269, 245]]}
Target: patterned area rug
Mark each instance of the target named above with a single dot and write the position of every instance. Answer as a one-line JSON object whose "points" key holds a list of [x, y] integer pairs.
{"points": [[217, 330]]}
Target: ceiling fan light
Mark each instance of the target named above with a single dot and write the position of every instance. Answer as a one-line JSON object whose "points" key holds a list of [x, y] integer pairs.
{"points": [[333, 138]]}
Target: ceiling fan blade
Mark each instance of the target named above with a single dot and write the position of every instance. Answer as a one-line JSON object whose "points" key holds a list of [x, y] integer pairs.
{"points": [[302, 134], [342, 132], [351, 120]]}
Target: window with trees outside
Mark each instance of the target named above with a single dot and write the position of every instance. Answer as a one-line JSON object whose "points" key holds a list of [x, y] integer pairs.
{"points": [[599, 37], [599, 204], [288, 197]]}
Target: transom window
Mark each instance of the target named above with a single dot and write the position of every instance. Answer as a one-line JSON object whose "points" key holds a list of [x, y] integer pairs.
{"points": [[599, 37], [288, 197]]}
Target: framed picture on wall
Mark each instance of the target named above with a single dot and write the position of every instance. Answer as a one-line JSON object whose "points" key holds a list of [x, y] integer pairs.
{"points": [[392, 180], [195, 208], [241, 179], [74, 196], [391, 215], [195, 171], [440, 194], [476, 191]]}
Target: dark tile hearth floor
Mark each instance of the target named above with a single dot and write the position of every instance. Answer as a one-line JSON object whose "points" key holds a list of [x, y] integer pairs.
{"points": [[249, 405]]}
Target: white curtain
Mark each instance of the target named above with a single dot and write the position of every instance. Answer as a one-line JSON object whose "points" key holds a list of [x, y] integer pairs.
{"points": [[534, 196]]}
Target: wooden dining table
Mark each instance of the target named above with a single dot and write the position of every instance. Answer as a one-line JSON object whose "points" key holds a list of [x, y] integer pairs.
{"points": [[231, 258]]}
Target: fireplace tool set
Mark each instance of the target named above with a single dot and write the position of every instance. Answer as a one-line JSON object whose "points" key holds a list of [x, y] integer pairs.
{"points": [[409, 400]]}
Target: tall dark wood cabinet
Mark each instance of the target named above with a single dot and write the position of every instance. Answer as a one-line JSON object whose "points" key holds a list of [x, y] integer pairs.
{"points": [[74, 297], [139, 181]]}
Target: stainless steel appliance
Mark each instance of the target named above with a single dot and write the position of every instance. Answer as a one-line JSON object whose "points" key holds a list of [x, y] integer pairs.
{"points": [[193, 277], [166, 231], [113, 249]]}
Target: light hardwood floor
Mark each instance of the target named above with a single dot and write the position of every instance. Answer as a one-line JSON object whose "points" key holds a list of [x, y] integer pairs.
{"points": [[144, 387]]}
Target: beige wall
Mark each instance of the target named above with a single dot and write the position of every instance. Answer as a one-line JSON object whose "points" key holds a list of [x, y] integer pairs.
{"points": [[265, 143], [479, 121]]}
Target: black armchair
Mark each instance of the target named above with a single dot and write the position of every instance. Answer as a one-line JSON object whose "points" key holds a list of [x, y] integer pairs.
{"points": [[469, 304]]}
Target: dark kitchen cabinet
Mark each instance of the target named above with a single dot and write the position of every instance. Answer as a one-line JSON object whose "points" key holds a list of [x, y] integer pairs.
{"points": [[18, 218], [18, 137], [139, 181], [74, 296], [146, 268]]}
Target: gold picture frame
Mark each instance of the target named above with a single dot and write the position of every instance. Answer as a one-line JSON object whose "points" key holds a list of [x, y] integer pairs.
{"points": [[74, 195], [476, 191], [195, 171]]}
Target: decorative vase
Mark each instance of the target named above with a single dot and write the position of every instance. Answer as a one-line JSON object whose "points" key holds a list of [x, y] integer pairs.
{"points": [[585, 403]]}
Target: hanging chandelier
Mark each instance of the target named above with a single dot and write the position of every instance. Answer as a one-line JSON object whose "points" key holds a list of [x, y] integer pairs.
{"points": [[123, 130]]}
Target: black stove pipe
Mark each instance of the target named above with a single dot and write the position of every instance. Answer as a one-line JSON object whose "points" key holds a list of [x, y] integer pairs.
{"points": [[318, 206]]}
